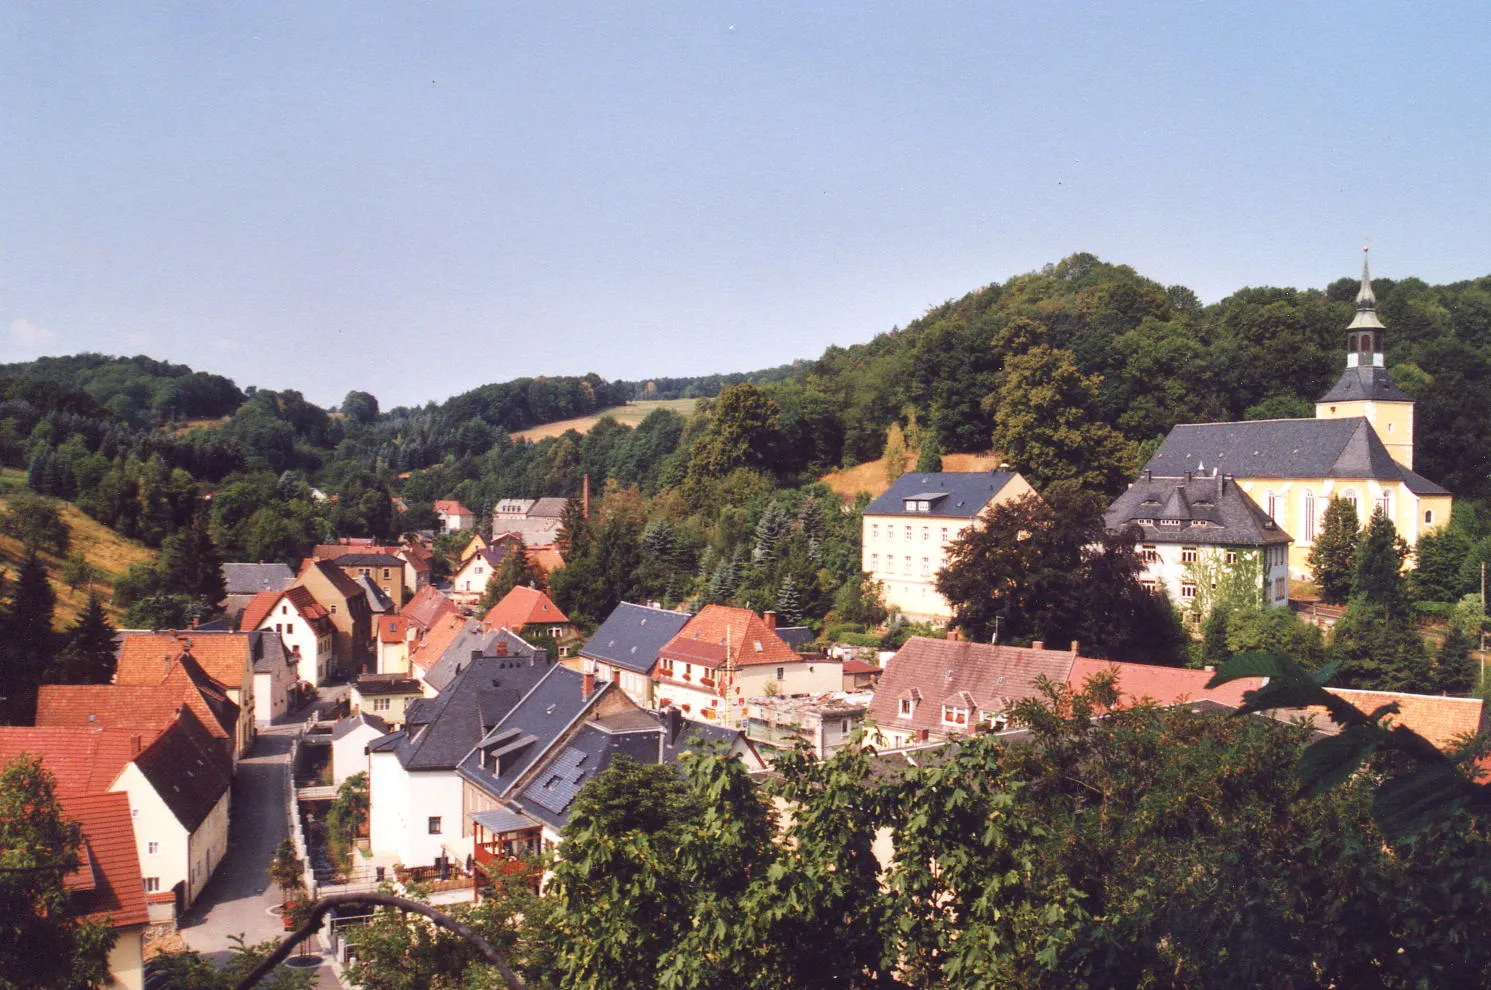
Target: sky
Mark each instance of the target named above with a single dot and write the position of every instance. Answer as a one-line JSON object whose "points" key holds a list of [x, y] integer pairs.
{"points": [[416, 199]]}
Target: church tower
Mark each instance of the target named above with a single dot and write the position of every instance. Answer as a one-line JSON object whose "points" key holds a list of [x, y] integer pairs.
{"points": [[1364, 388]]}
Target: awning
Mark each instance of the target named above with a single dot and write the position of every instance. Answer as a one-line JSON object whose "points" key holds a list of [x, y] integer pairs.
{"points": [[500, 820]]}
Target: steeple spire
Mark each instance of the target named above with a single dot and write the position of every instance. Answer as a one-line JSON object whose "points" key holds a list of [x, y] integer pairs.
{"points": [[1366, 302]]}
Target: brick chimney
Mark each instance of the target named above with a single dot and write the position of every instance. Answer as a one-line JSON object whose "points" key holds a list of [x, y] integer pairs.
{"points": [[771, 620], [954, 635], [501, 649], [587, 685], [1038, 645]]}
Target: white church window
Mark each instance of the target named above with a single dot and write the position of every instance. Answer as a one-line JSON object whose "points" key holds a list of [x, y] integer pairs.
{"points": [[1309, 516]]}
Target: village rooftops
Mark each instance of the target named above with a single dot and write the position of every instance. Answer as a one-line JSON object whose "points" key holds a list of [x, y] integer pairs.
{"points": [[107, 885], [250, 579], [523, 606], [632, 635], [953, 494], [718, 633], [1209, 509]]}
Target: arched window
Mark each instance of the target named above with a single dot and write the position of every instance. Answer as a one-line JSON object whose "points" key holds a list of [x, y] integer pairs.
{"points": [[1385, 503], [1350, 496], [1309, 516], [1271, 505], [1428, 516]]}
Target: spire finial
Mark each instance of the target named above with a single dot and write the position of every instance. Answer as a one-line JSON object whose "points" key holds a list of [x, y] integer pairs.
{"points": [[1365, 300]]}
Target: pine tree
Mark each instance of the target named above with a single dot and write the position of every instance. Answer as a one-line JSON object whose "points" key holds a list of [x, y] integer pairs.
{"points": [[574, 535], [1333, 557], [789, 603], [722, 582], [88, 657], [190, 564], [29, 643], [1214, 638], [769, 532], [929, 457], [1375, 640], [515, 570], [1455, 669]]}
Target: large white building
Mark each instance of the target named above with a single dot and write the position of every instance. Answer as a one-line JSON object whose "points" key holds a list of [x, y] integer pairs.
{"points": [[907, 530]]}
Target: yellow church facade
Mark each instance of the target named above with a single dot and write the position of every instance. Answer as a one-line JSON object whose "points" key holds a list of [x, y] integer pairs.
{"points": [[1358, 447]]}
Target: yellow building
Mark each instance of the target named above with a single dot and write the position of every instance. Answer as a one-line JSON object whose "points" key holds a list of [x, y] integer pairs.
{"points": [[907, 530], [1358, 447]]}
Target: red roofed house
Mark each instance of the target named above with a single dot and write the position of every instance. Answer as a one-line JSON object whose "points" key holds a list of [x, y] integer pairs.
{"points": [[141, 708], [528, 611], [934, 689], [107, 886], [860, 675], [347, 604], [147, 659], [1161, 685], [724, 655], [304, 625], [177, 781], [453, 516]]}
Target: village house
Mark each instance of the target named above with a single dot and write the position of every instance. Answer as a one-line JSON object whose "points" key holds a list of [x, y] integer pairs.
{"points": [[399, 635], [385, 695], [350, 737], [177, 782], [454, 517], [1203, 539], [936, 689], [1359, 447], [469, 581], [723, 655], [1146, 682], [537, 521], [414, 559], [228, 658], [384, 570], [906, 532], [625, 647], [346, 603], [826, 723], [107, 886], [302, 623], [530, 612]]}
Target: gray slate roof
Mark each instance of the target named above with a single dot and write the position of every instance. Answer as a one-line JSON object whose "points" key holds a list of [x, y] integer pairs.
{"points": [[528, 730], [552, 790], [268, 650], [1212, 510], [368, 560], [1284, 448], [378, 602], [797, 637], [343, 726], [1368, 383], [438, 733], [471, 641], [957, 494], [250, 579], [632, 635]]}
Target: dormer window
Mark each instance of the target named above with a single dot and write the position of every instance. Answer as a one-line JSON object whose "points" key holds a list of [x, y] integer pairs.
{"points": [[1169, 522], [907, 707], [953, 715]]}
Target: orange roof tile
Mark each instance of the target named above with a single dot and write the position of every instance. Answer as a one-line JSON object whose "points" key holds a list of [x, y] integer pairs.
{"points": [[145, 658], [439, 636], [1439, 719], [140, 707], [451, 507], [546, 557], [110, 860], [258, 609], [81, 760], [392, 628], [1163, 685], [521, 607], [427, 606], [717, 629]]}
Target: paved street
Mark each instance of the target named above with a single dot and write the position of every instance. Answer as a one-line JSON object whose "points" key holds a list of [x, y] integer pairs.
{"points": [[238, 898]]}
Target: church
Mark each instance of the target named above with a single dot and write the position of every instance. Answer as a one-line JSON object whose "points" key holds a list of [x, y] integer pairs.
{"points": [[1358, 447]]}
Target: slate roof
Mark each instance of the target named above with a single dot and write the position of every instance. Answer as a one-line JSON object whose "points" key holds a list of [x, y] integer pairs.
{"points": [[523, 606], [1211, 510], [378, 602], [981, 676], [443, 729], [342, 726], [1365, 383], [1163, 685], [632, 635], [269, 651], [250, 579], [387, 683], [720, 629], [362, 558], [187, 769], [469, 639], [956, 494], [591, 750], [549, 507], [797, 637], [107, 883], [529, 729], [1284, 448]]}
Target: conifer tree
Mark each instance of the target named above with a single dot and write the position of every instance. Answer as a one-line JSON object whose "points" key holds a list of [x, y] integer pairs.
{"points": [[1455, 669], [769, 532], [789, 603], [88, 656], [29, 643], [1375, 640], [1332, 559], [514, 571], [929, 457]]}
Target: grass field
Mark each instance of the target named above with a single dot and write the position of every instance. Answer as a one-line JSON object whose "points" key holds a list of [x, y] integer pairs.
{"points": [[870, 476], [109, 554], [628, 415]]}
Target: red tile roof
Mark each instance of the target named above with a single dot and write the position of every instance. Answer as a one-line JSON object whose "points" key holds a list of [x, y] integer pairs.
{"points": [[108, 883], [145, 658], [258, 609], [392, 628], [521, 607], [451, 507], [546, 557], [437, 639], [80, 760], [1163, 685], [427, 606], [138, 707], [861, 667], [720, 629], [1439, 719], [979, 677]]}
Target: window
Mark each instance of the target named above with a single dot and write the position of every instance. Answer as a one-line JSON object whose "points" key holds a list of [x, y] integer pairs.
{"points": [[926, 567], [874, 562], [844, 727], [1187, 590], [906, 567], [1187, 555], [1309, 516], [781, 673], [152, 885], [152, 848], [926, 533], [952, 715], [284, 610], [1271, 505], [387, 573], [434, 824], [333, 608], [1428, 516], [908, 534], [944, 536], [906, 707], [666, 666], [1147, 584], [289, 629], [382, 704], [1149, 554], [279, 627], [1385, 503], [1231, 556], [874, 531], [1281, 589], [1350, 496]]}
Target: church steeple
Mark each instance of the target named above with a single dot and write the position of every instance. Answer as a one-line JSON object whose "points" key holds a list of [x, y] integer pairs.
{"points": [[1363, 346]]}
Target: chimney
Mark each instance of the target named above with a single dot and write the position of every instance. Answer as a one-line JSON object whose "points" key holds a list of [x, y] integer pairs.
{"points": [[1076, 648], [771, 620], [476, 654], [585, 496], [587, 685], [955, 635], [501, 649], [1038, 645], [672, 723], [136, 744]]}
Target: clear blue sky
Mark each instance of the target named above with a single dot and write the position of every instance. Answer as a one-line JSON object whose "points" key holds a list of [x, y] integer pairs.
{"points": [[414, 199]]}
